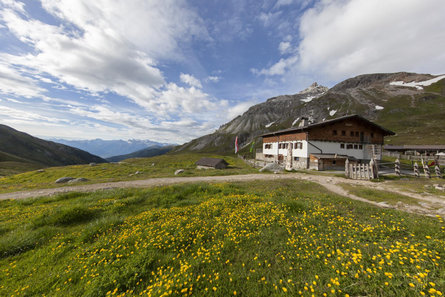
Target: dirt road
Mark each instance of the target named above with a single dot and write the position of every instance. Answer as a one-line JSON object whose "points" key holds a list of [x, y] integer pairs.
{"points": [[428, 204]]}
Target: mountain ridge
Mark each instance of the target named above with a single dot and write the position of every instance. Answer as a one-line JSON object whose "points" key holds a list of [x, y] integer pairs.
{"points": [[110, 148], [397, 101], [19, 150]]}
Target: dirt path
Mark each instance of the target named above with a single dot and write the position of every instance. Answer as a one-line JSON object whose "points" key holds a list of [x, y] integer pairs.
{"points": [[428, 204]]}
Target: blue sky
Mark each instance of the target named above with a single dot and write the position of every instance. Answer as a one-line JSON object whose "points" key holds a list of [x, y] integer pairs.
{"points": [[174, 70]]}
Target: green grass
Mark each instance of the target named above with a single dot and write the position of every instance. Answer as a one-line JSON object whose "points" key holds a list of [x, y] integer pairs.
{"points": [[420, 185], [159, 166], [415, 120], [379, 195], [277, 238]]}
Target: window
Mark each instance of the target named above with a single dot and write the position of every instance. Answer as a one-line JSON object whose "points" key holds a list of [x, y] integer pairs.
{"points": [[342, 145], [334, 132], [333, 162], [267, 146], [372, 135], [360, 147], [355, 146], [343, 133], [352, 133], [349, 146], [356, 133], [296, 158]]}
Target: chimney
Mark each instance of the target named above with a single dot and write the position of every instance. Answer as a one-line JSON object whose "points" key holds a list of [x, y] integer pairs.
{"points": [[303, 122]]}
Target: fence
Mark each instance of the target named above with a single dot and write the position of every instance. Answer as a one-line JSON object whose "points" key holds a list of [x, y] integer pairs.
{"points": [[361, 171], [373, 169]]}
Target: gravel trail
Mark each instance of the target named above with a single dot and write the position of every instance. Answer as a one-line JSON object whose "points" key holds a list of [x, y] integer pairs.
{"points": [[428, 204]]}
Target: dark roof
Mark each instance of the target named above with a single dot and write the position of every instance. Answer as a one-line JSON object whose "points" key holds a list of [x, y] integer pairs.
{"points": [[410, 147], [210, 162], [320, 124]]}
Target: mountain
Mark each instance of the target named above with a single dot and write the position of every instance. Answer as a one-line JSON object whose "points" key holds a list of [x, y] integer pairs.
{"points": [[410, 104], [144, 153], [108, 148], [20, 152]]}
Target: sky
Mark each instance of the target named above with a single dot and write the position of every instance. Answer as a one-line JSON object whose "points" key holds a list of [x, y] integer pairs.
{"points": [[174, 70]]}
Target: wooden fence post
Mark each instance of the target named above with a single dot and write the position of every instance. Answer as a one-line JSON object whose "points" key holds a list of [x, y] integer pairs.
{"points": [[416, 169], [371, 164], [437, 169], [397, 167]]}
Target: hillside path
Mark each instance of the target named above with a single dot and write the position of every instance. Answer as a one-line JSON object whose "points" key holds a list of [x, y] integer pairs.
{"points": [[427, 204]]}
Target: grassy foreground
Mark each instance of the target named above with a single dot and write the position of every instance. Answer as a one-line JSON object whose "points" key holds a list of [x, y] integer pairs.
{"points": [[130, 169], [281, 238]]}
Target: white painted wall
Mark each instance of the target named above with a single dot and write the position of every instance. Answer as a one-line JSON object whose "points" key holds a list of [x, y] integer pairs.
{"points": [[334, 148], [326, 146], [295, 152]]}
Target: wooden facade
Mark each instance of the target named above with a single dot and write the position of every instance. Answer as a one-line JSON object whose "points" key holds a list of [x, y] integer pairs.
{"points": [[285, 137], [350, 130]]}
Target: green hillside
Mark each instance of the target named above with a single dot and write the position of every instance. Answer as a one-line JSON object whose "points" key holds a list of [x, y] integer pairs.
{"points": [[416, 120], [277, 238], [22, 152]]}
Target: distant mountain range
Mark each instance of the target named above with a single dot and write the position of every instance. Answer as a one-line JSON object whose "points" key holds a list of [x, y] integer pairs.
{"points": [[20, 152], [410, 104], [144, 153], [109, 148]]}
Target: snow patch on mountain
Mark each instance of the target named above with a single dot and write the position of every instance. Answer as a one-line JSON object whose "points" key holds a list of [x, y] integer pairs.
{"points": [[308, 98], [418, 85], [378, 107], [332, 112], [270, 124]]}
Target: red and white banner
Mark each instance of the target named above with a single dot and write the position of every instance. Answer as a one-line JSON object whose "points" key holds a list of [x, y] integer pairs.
{"points": [[236, 145]]}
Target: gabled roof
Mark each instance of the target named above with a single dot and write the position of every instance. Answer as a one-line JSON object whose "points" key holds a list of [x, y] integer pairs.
{"points": [[328, 122], [210, 162]]}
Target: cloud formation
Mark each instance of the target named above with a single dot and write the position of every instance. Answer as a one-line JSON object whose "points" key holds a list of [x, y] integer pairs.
{"points": [[341, 39]]}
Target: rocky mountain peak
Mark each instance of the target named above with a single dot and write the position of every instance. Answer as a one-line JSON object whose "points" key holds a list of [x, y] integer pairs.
{"points": [[314, 88]]}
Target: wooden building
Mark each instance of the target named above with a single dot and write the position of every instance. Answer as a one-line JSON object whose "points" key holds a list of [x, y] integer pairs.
{"points": [[325, 145], [211, 163]]}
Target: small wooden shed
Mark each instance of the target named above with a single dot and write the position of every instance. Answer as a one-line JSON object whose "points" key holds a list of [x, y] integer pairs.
{"points": [[211, 163]]}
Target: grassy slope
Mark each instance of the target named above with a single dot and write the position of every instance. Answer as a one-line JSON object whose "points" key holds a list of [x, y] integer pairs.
{"points": [[10, 164], [252, 239], [159, 166], [417, 120]]}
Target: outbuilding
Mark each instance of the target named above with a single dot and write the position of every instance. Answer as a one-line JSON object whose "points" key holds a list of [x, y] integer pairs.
{"points": [[211, 163]]}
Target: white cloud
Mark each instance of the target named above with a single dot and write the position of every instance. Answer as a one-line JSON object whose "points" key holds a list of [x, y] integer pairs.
{"points": [[285, 47], [213, 78], [269, 18], [176, 99], [13, 114], [190, 80], [279, 68], [13, 4], [345, 38], [12, 82], [97, 50], [239, 109]]}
